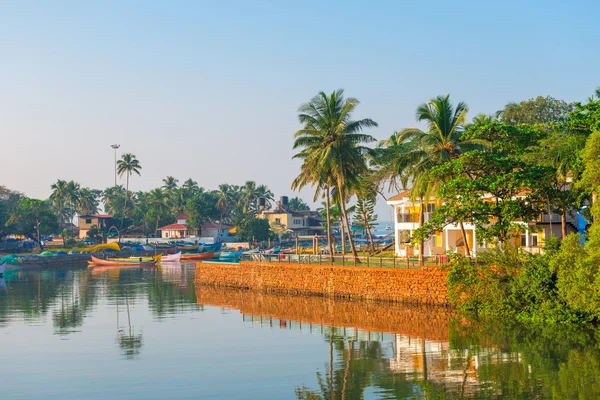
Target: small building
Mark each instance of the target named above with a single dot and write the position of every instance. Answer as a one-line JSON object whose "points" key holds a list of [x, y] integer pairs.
{"points": [[89, 221], [302, 223], [219, 232]]}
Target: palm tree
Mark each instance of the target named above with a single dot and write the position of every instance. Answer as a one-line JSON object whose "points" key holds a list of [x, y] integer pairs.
{"points": [[441, 142], [169, 184], [263, 191], [332, 143], [59, 197], [158, 205], [191, 187], [127, 165], [249, 196], [88, 201], [111, 197]]}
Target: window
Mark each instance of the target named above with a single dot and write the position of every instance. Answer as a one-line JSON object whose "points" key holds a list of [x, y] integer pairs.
{"points": [[430, 207], [533, 240], [166, 234], [88, 220], [181, 233], [303, 222], [278, 220], [296, 222], [523, 240]]}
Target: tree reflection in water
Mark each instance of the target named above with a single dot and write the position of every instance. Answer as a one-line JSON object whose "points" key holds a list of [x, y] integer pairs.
{"points": [[128, 340]]}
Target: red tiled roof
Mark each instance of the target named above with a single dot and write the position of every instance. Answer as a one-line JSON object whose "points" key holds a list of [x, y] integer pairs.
{"points": [[174, 227], [183, 216], [400, 195]]}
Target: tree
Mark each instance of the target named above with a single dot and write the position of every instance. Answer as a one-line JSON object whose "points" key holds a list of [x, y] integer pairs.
{"points": [[169, 184], [9, 199], [250, 228], [127, 165], [297, 204], [279, 230], [263, 191], [366, 198], [421, 151], [332, 143], [249, 196], [95, 234], [59, 198], [88, 201], [541, 110], [201, 208], [33, 218], [191, 188], [158, 206], [590, 179]]}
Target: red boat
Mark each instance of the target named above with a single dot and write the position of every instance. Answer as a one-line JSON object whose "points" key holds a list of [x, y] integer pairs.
{"points": [[201, 256], [133, 263]]}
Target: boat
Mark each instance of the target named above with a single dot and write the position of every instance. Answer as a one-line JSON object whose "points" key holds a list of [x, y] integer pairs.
{"points": [[126, 262], [198, 256], [231, 254], [171, 257], [213, 247], [195, 247], [388, 228], [2, 268], [93, 249]]}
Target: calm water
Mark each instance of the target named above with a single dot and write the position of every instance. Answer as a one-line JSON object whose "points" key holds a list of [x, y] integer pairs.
{"points": [[150, 334]]}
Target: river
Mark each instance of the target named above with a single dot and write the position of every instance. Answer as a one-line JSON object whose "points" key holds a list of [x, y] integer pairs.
{"points": [[72, 333]]}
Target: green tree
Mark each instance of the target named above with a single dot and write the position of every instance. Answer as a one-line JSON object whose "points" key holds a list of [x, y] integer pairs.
{"points": [[297, 204], [88, 201], [158, 206], [201, 208], [9, 199], [541, 110], [59, 198], [332, 143], [33, 218], [250, 228], [364, 216], [169, 184], [128, 165], [418, 152]]}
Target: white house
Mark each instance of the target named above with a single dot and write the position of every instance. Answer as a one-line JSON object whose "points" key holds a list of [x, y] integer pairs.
{"points": [[406, 221]]}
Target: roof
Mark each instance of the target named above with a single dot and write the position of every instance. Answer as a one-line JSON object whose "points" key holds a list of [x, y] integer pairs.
{"points": [[215, 225], [100, 216], [400, 196], [183, 216], [173, 227]]}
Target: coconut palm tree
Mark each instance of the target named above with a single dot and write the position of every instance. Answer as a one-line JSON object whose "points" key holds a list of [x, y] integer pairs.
{"points": [[332, 142], [88, 201], [59, 197], [191, 187], [127, 165], [423, 150], [249, 196], [263, 191], [158, 205], [169, 184]]}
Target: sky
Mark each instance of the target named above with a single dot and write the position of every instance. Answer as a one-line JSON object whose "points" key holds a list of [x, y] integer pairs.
{"points": [[210, 89]]}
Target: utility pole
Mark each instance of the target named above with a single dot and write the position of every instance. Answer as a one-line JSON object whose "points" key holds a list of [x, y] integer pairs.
{"points": [[115, 146]]}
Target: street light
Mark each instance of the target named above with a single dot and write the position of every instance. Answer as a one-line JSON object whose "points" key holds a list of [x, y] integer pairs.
{"points": [[115, 146]]}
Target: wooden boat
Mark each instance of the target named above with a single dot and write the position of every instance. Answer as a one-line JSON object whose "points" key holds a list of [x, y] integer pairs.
{"points": [[231, 254], [195, 247], [93, 249], [122, 262], [171, 257], [198, 256]]}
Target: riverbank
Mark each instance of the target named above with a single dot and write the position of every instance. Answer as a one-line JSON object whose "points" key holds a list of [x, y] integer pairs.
{"points": [[70, 259], [401, 285]]}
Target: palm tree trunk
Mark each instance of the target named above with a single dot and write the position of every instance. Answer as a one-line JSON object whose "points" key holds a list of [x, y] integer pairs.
{"points": [[329, 242], [563, 221], [422, 241], [464, 235], [345, 216], [343, 235]]}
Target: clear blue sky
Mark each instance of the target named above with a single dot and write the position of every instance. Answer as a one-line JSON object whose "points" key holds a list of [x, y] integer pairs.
{"points": [[209, 90]]}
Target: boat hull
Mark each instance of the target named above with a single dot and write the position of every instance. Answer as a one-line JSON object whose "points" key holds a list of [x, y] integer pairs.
{"points": [[171, 257], [195, 257], [102, 263]]}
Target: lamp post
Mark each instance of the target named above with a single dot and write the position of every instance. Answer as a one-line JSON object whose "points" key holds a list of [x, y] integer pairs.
{"points": [[115, 146]]}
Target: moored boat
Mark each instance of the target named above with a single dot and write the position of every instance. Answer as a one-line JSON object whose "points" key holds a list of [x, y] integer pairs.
{"points": [[125, 262], [231, 254], [2, 268], [198, 256], [171, 257]]}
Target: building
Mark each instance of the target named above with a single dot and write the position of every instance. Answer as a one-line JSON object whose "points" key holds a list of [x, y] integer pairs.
{"points": [[302, 223], [178, 230], [209, 230], [89, 221], [406, 220], [218, 232]]}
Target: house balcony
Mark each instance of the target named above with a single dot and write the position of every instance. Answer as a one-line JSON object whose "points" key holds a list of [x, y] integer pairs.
{"points": [[411, 218]]}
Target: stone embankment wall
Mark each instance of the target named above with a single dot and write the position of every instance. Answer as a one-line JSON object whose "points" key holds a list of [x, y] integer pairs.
{"points": [[366, 283], [417, 320]]}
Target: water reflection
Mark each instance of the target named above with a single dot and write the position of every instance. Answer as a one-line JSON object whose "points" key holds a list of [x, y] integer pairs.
{"points": [[400, 352]]}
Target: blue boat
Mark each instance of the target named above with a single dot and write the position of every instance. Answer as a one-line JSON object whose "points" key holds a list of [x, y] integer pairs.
{"points": [[228, 255], [213, 247]]}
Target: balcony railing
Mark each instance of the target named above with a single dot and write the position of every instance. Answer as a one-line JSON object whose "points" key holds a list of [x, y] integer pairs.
{"points": [[411, 217]]}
